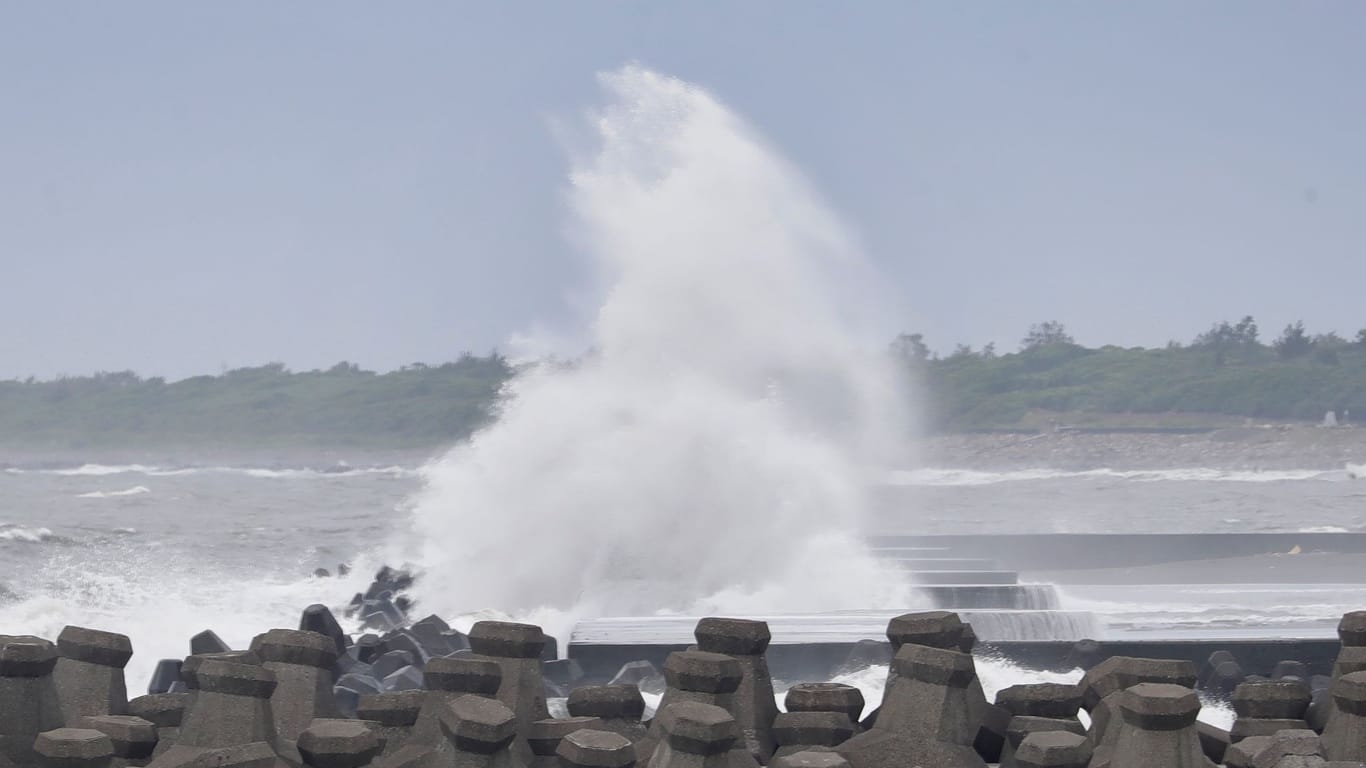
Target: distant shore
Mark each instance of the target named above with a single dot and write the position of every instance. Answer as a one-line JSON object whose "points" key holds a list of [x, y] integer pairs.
{"points": [[1265, 447]]}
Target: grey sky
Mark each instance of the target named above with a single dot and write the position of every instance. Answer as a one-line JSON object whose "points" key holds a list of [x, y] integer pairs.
{"points": [[190, 185]]}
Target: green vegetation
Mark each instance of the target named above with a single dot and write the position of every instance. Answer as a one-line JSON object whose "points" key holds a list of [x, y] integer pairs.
{"points": [[1224, 373], [416, 406]]}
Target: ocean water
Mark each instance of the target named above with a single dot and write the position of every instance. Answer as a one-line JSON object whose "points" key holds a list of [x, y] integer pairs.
{"points": [[160, 553]]}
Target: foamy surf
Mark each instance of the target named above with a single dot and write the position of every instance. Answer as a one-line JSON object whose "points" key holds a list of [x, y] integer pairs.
{"points": [[25, 535], [269, 473], [136, 490], [949, 477]]}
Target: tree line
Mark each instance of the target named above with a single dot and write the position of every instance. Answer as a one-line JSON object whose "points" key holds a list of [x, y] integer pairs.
{"points": [[1227, 370]]}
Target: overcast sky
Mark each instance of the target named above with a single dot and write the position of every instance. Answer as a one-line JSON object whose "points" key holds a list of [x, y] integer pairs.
{"points": [[188, 186]]}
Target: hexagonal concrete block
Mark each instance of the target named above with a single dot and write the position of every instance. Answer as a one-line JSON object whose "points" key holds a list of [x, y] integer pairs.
{"points": [[587, 748], [702, 672], [339, 743]]}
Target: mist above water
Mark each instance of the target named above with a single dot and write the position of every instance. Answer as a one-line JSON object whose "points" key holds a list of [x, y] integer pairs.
{"points": [[714, 451]]}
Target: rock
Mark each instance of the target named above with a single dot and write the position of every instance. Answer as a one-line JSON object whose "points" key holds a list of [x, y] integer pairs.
{"points": [[166, 674], [318, 618], [207, 642]]}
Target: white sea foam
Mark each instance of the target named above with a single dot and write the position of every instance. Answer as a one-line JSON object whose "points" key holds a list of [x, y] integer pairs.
{"points": [[973, 477], [272, 473], [136, 490], [160, 599], [28, 535], [708, 455]]}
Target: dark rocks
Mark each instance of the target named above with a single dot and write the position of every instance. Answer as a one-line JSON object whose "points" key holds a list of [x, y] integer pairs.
{"points": [[865, 654], [641, 674], [207, 642], [318, 618], [390, 663], [166, 674]]}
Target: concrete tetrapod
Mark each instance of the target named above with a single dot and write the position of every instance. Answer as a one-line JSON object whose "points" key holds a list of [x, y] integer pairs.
{"points": [[588, 748], [545, 736], [29, 704], [755, 707], [1344, 738], [1157, 729], [617, 707], [393, 714], [448, 679], [696, 735], [89, 673], [1267, 706], [229, 710], [164, 711], [337, 743], [699, 677], [73, 748], [926, 716], [479, 733], [302, 663]]}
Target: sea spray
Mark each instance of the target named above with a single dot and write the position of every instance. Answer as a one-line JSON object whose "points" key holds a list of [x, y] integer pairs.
{"points": [[714, 451]]}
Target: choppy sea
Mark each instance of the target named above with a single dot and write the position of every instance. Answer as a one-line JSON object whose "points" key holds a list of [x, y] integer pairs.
{"points": [[162, 552]]}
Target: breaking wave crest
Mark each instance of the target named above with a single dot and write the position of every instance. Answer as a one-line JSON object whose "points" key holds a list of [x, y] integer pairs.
{"points": [[709, 454]]}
